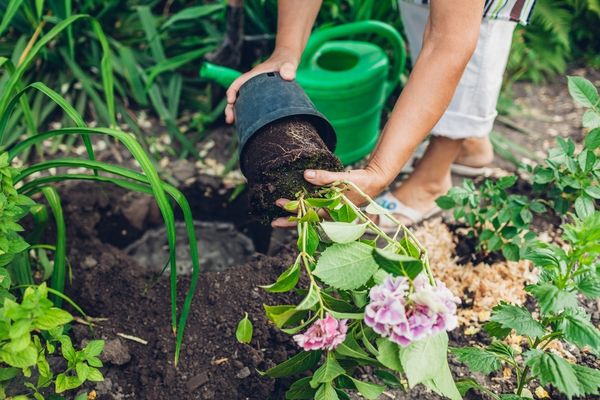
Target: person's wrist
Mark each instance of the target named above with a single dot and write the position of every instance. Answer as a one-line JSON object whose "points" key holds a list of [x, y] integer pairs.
{"points": [[379, 178], [287, 53]]}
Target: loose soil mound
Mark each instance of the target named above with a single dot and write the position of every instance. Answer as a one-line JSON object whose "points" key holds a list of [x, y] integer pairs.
{"points": [[275, 158]]}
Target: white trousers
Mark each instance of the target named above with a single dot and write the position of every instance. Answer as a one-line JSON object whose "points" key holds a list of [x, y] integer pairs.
{"points": [[472, 111]]}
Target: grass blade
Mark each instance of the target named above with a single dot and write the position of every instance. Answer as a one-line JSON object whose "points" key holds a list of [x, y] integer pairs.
{"points": [[194, 13], [58, 274], [11, 10]]}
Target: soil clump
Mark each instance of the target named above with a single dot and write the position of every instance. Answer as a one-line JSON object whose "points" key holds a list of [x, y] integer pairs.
{"points": [[275, 158]]}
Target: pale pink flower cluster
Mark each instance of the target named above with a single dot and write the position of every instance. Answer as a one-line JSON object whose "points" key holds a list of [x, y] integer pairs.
{"points": [[323, 334], [405, 318]]}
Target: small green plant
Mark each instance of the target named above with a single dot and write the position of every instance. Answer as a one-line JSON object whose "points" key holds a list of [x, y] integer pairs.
{"points": [[371, 300], [498, 220], [565, 274], [570, 179], [32, 330]]}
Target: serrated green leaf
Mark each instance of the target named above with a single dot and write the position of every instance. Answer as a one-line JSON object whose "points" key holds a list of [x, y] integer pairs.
{"points": [[344, 213], [93, 348], [580, 331], [244, 330], [346, 266], [343, 232], [551, 299], [511, 252], [584, 206], [478, 360], [551, 369], [52, 318], [589, 379], [509, 316], [586, 160], [280, 314], [589, 286]]}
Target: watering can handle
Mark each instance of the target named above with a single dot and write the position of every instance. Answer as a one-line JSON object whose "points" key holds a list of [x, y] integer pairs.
{"points": [[379, 28]]}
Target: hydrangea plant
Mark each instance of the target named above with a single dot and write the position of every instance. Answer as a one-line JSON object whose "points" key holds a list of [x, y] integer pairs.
{"points": [[368, 299]]}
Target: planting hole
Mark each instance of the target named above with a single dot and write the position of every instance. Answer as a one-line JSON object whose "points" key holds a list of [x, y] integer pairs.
{"points": [[337, 60], [220, 246]]}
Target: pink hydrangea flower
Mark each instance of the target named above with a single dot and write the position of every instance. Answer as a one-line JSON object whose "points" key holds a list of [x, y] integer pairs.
{"points": [[405, 318], [323, 334]]}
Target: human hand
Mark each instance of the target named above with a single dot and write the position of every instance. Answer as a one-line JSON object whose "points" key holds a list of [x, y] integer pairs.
{"points": [[367, 180], [282, 60]]}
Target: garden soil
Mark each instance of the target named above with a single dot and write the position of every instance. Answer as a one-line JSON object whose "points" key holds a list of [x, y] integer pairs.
{"points": [[275, 158]]}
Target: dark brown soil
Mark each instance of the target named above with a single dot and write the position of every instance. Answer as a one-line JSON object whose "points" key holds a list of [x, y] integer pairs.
{"points": [[274, 161], [108, 283]]}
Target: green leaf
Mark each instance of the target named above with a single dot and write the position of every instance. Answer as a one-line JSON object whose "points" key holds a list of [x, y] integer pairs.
{"points": [[552, 369], [343, 232], [589, 286], [397, 264], [344, 213], [327, 372], [465, 384], [552, 299], [192, 13], [93, 348], [511, 252], [312, 239], [7, 374], [509, 316], [22, 359], [582, 91], [444, 384], [300, 390], [593, 191], [591, 119], [589, 379], [584, 206], [478, 360], [586, 160], [326, 392], [368, 390], [445, 202], [52, 318], [346, 266], [312, 298], [580, 331], [244, 330], [286, 281], [299, 363], [82, 371], [95, 375], [433, 349], [280, 314], [592, 139], [389, 354]]}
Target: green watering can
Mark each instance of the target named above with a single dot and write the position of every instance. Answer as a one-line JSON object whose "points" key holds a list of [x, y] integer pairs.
{"points": [[348, 81]]}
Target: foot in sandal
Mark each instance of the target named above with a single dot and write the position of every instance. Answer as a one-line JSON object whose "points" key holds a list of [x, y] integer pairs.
{"points": [[474, 158], [413, 202]]}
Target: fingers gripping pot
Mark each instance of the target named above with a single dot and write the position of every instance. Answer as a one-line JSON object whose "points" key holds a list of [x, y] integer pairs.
{"points": [[280, 134]]}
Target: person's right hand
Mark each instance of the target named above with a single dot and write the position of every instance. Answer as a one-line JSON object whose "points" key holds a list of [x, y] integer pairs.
{"points": [[282, 61]]}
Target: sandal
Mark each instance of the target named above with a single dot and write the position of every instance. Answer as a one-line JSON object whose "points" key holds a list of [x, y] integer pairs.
{"points": [[393, 205]]}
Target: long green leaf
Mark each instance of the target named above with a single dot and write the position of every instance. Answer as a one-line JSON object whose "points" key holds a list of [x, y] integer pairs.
{"points": [[60, 255], [9, 13]]}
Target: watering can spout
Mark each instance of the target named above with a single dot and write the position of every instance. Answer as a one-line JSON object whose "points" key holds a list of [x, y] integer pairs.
{"points": [[222, 75]]}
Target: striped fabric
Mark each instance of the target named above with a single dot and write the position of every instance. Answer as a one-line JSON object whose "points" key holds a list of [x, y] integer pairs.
{"points": [[509, 10]]}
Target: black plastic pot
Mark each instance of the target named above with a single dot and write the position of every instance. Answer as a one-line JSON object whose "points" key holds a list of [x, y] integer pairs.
{"points": [[267, 98]]}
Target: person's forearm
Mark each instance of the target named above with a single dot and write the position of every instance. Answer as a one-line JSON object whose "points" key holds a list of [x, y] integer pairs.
{"points": [[294, 23], [448, 44]]}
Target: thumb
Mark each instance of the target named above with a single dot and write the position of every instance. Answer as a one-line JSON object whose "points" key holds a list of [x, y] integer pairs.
{"points": [[288, 71], [320, 177]]}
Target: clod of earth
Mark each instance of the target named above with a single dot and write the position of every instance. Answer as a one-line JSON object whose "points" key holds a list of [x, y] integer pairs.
{"points": [[275, 158]]}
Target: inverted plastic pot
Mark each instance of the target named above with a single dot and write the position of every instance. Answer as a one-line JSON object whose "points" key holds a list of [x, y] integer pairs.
{"points": [[267, 98]]}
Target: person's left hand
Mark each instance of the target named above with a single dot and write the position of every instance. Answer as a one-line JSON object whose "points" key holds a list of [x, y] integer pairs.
{"points": [[368, 180]]}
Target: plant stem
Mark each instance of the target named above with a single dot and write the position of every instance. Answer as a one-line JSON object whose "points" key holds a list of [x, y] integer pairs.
{"points": [[304, 255], [373, 226]]}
